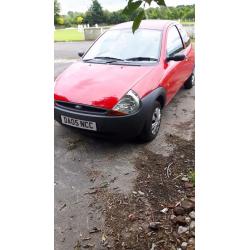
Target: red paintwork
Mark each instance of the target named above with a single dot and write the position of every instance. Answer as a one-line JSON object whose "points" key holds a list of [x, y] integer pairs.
{"points": [[98, 84], [103, 85]]}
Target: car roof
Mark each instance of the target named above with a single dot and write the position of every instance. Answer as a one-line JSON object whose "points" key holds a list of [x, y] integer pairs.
{"points": [[147, 24]]}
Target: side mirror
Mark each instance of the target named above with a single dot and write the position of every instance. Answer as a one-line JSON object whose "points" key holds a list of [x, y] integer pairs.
{"points": [[80, 54], [177, 57]]}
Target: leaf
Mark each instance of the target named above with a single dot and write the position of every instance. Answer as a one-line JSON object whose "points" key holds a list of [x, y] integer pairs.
{"points": [[138, 20], [161, 2], [131, 7]]}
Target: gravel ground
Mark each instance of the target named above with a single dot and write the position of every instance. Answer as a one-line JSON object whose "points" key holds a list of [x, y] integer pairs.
{"points": [[97, 181]]}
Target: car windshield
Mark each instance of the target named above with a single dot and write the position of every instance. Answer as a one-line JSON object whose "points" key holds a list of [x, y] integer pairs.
{"points": [[118, 45]]}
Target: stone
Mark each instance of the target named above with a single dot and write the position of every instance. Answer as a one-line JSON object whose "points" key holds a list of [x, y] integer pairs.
{"points": [[192, 215], [154, 225], [172, 217], [188, 220], [191, 241], [188, 185], [132, 217], [184, 179], [184, 245], [187, 205], [180, 219], [190, 193], [192, 225], [140, 193], [179, 211], [182, 229]]}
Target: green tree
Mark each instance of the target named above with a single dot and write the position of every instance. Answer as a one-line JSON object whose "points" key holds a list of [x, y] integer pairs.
{"points": [[189, 14], [79, 20], [60, 20], [57, 10], [74, 17], [119, 16], [95, 14], [115, 17]]}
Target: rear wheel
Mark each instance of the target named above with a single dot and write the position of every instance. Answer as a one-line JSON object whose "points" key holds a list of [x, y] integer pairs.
{"points": [[190, 82], [152, 126]]}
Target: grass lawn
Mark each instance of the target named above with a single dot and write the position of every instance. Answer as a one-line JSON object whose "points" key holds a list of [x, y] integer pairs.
{"points": [[187, 23], [61, 35]]}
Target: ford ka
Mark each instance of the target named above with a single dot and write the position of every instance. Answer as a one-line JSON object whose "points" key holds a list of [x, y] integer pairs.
{"points": [[121, 84]]}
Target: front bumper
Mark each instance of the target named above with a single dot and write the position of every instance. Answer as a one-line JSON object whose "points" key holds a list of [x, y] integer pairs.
{"points": [[126, 126]]}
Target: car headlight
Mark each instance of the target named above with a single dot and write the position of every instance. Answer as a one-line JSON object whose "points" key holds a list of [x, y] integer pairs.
{"points": [[129, 104]]}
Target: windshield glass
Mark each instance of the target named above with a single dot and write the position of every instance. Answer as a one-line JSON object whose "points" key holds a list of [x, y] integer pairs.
{"points": [[123, 44]]}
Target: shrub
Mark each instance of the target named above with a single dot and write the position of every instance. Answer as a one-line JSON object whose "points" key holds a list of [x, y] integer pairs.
{"points": [[60, 20], [79, 20]]}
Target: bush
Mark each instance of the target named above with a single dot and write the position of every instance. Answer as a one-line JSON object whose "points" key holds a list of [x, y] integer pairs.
{"points": [[79, 20], [60, 20]]}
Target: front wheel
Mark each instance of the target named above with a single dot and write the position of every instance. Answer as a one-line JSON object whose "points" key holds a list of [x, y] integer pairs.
{"points": [[152, 126]]}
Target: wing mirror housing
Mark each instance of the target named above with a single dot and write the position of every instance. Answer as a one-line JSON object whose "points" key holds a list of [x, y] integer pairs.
{"points": [[177, 58], [81, 54]]}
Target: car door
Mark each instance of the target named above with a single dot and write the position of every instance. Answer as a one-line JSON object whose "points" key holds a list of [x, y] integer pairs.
{"points": [[175, 73]]}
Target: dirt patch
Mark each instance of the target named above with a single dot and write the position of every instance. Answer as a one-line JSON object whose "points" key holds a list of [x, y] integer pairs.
{"points": [[185, 125], [144, 219], [73, 144]]}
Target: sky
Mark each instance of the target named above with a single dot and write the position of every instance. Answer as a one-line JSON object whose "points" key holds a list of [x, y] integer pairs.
{"points": [[111, 5]]}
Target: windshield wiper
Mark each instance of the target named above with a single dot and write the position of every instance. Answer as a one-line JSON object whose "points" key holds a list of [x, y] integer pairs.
{"points": [[141, 58], [108, 58]]}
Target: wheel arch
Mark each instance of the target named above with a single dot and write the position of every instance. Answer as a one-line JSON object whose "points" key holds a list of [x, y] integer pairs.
{"points": [[161, 94], [148, 101]]}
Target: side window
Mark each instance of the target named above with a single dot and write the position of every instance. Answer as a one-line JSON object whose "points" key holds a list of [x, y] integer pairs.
{"points": [[174, 42], [184, 35]]}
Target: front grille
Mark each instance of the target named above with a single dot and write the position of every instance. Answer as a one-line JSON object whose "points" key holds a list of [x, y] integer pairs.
{"points": [[80, 108]]}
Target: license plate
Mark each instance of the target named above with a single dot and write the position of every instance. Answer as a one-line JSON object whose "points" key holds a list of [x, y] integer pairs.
{"points": [[78, 123]]}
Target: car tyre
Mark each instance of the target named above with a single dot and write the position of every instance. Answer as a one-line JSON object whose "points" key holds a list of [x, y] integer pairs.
{"points": [[152, 125], [190, 82]]}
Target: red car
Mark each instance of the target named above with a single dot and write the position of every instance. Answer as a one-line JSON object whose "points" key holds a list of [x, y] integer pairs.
{"points": [[123, 81]]}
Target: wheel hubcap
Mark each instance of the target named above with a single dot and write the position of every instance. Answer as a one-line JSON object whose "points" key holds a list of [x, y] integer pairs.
{"points": [[156, 120], [193, 79]]}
